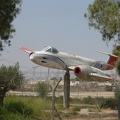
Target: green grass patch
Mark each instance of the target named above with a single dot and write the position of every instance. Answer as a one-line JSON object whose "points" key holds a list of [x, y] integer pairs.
{"points": [[37, 108], [76, 108], [26, 108]]}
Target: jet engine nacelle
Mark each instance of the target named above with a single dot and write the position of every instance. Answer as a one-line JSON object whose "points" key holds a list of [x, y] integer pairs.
{"points": [[83, 72]]}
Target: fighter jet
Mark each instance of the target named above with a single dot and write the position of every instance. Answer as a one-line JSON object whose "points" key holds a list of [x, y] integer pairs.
{"points": [[82, 67]]}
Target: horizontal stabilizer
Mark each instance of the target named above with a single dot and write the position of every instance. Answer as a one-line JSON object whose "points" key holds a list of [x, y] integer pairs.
{"points": [[107, 53], [26, 50]]}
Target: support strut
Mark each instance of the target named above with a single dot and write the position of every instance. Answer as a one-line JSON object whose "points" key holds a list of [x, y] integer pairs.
{"points": [[66, 98]]}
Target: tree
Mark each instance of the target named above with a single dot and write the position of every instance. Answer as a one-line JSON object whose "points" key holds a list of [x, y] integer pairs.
{"points": [[8, 12], [10, 78], [104, 15], [42, 89], [116, 51]]}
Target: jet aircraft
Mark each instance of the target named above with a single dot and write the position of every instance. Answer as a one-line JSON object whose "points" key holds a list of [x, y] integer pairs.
{"points": [[84, 68]]}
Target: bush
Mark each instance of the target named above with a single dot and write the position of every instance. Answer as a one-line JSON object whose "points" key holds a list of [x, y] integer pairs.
{"points": [[76, 108], [7, 115], [109, 103], [117, 94], [26, 108], [18, 107], [88, 100], [108, 88], [42, 89]]}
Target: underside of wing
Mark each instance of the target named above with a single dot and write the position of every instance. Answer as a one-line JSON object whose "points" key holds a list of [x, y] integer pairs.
{"points": [[101, 78]]}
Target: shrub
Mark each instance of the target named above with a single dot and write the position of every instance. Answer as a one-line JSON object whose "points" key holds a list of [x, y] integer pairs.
{"points": [[42, 89], [19, 107], [6, 115], [88, 100], [117, 94], [76, 108], [25, 108], [108, 88], [109, 103]]}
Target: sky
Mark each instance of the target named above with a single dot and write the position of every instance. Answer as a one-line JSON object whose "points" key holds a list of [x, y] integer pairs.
{"points": [[57, 23]]}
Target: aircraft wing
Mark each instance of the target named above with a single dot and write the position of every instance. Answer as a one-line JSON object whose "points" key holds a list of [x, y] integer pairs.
{"points": [[102, 78]]}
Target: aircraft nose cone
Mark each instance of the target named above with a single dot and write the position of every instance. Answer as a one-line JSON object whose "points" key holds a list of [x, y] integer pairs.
{"points": [[32, 56]]}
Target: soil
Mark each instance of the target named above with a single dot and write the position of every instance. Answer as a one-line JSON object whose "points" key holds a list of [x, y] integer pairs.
{"points": [[103, 115]]}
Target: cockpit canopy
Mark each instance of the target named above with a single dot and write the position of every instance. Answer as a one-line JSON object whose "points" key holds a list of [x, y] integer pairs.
{"points": [[50, 49]]}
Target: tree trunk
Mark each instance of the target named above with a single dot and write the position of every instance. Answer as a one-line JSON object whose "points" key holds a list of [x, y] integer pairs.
{"points": [[3, 91]]}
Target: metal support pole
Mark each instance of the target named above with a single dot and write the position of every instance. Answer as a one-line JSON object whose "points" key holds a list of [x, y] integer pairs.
{"points": [[66, 98], [53, 101]]}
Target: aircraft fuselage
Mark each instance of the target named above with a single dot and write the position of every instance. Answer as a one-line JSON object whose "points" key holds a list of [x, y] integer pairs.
{"points": [[58, 61]]}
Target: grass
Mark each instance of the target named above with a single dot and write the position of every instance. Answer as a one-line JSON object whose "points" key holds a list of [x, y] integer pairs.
{"points": [[25, 108], [76, 108], [36, 108]]}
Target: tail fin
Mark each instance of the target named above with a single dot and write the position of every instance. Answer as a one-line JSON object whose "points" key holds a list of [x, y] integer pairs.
{"points": [[111, 61]]}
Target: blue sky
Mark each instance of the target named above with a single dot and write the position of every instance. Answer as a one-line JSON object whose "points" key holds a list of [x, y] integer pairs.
{"points": [[57, 23]]}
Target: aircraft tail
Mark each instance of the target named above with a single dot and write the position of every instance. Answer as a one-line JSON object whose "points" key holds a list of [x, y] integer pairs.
{"points": [[111, 61]]}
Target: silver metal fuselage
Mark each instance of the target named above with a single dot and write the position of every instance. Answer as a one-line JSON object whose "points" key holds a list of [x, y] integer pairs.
{"points": [[60, 60], [82, 67]]}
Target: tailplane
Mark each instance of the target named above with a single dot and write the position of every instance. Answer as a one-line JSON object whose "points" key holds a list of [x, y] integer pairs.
{"points": [[26, 50]]}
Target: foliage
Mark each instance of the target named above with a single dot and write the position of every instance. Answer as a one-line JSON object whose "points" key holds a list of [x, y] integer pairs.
{"points": [[8, 12], [118, 67], [11, 76], [104, 15], [88, 100], [42, 89], [6, 115], [54, 78], [117, 94], [76, 79], [109, 103], [76, 108], [39, 110], [108, 88], [116, 52], [25, 108], [19, 107]]}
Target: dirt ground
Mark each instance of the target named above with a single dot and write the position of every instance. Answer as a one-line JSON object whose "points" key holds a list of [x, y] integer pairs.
{"points": [[103, 115]]}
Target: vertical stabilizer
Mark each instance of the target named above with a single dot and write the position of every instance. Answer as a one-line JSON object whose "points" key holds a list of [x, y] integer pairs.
{"points": [[111, 61]]}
